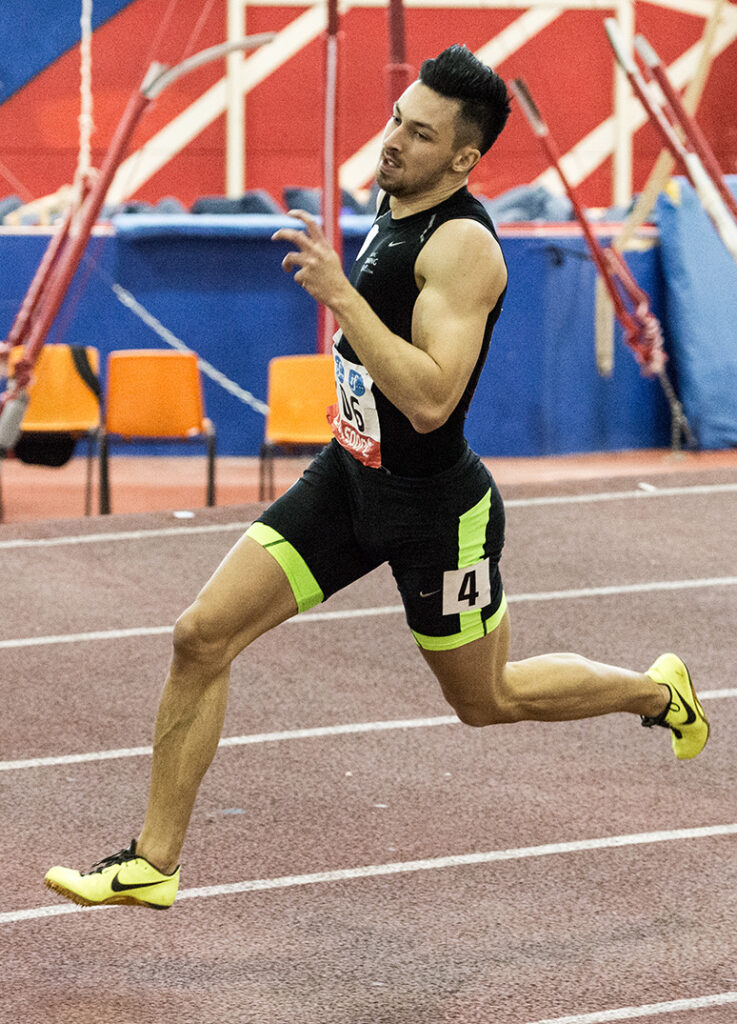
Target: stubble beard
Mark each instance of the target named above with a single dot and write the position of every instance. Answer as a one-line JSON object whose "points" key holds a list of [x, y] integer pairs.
{"points": [[384, 183], [402, 189]]}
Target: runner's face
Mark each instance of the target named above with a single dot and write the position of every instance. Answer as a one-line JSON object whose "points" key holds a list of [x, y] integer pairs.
{"points": [[419, 143]]}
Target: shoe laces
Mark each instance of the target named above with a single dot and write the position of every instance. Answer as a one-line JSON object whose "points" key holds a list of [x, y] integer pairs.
{"points": [[117, 858], [672, 706], [650, 721]]}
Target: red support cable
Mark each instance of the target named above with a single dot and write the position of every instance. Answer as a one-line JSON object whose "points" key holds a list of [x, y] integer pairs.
{"points": [[640, 325]]}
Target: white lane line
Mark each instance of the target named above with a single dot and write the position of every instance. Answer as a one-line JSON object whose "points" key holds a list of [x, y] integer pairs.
{"points": [[185, 531], [646, 1010], [655, 492], [393, 609], [251, 739], [654, 586], [626, 588], [75, 638], [717, 694], [413, 866], [102, 538]]}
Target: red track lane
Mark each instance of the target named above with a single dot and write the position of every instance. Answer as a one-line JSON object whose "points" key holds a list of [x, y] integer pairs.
{"points": [[547, 934]]}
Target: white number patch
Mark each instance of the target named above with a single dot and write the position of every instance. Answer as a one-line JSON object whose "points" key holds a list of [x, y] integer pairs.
{"points": [[467, 589]]}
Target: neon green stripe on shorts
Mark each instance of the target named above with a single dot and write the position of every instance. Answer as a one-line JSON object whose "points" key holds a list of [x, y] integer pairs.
{"points": [[468, 632], [471, 539], [306, 589]]}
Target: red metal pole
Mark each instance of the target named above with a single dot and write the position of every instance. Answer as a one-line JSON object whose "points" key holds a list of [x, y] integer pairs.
{"points": [[17, 333], [62, 274], [398, 73], [330, 177], [64, 253]]}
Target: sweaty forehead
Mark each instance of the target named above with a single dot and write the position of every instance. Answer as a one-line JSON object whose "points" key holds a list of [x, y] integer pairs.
{"points": [[422, 104]]}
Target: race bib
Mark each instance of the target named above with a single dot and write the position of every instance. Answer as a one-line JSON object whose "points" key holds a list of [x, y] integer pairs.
{"points": [[467, 589], [354, 419]]}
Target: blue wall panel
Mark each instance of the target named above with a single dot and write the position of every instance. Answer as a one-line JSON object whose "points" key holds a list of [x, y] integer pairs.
{"points": [[540, 393], [702, 305], [217, 284]]}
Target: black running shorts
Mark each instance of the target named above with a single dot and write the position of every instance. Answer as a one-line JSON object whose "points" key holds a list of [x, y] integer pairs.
{"points": [[442, 536]]}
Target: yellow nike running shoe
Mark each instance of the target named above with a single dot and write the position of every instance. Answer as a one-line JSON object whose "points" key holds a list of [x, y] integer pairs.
{"points": [[123, 878], [684, 715]]}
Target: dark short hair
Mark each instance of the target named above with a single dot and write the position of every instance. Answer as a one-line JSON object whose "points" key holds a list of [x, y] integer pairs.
{"points": [[485, 105]]}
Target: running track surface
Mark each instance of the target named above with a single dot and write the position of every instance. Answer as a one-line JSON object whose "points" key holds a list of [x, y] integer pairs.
{"points": [[356, 856]]}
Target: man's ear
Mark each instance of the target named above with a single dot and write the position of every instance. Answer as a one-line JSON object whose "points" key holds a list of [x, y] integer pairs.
{"points": [[466, 159]]}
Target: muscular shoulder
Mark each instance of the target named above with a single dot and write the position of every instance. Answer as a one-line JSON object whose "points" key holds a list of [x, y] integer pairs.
{"points": [[463, 250]]}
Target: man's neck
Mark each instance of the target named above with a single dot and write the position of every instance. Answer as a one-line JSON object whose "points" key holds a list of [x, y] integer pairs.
{"points": [[405, 206]]}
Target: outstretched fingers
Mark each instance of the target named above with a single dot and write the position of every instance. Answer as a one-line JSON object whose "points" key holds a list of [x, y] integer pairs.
{"points": [[312, 260], [313, 228], [304, 240], [299, 236]]}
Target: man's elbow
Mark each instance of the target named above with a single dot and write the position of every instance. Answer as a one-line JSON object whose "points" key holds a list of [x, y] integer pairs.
{"points": [[429, 418]]}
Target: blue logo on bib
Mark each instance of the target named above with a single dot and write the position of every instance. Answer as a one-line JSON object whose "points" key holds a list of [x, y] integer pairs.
{"points": [[339, 369], [355, 383]]}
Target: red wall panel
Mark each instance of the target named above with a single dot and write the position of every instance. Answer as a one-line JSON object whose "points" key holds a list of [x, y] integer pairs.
{"points": [[568, 66]]}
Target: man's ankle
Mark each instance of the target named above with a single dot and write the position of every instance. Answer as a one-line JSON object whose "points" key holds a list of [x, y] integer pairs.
{"points": [[157, 859], [660, 702]]}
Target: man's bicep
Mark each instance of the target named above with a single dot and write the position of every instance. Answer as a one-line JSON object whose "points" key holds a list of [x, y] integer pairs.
{"points": [[462, 275], [449, 329], [450, 341]]}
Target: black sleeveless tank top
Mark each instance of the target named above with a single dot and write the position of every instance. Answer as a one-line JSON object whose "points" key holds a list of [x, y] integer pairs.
{"points": [[365, 422]]}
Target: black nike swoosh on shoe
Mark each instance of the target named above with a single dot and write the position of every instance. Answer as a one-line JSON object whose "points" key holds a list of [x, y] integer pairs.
{"points": [[690, 713], [118, 886]]}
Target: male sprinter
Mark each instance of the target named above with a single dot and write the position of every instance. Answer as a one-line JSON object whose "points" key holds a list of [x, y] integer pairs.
{"points": [[397, 484]]}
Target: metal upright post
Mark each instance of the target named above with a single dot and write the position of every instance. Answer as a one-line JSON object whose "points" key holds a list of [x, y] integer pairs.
{"points": [[235, 114], [622, 153]]}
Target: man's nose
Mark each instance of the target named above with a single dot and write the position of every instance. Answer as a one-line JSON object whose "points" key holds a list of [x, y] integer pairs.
{"points": [[392, 138]]}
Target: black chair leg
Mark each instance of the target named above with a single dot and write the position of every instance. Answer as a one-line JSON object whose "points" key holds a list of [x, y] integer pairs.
{"points": [[263, 459], [91, 437], [104, 475], [211, 470]]}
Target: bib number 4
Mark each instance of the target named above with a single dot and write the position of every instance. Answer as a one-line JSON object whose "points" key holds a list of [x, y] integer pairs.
{"points": [[467, 589]]}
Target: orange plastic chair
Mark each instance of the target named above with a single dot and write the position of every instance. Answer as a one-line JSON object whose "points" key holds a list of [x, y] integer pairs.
{"points": [[154, 395], [300, 389], [61, 401]]}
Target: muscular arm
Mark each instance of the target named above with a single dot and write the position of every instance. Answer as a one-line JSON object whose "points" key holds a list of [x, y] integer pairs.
{"points": [[460, 274]]}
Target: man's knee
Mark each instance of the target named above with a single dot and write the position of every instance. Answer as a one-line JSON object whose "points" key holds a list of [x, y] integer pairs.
{"points": [[490, 711], [496, 704], [197, 640]]}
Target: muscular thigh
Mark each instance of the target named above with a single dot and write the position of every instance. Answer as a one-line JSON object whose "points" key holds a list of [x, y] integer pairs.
{"points": [[247, 595], [471, 675]]}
